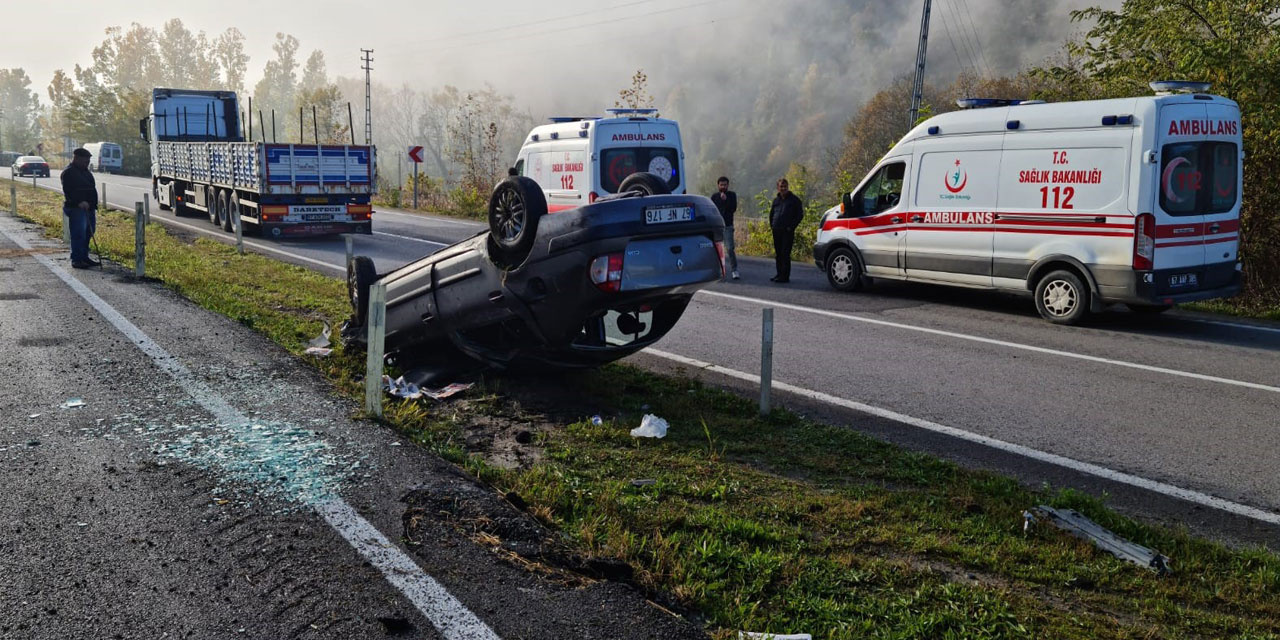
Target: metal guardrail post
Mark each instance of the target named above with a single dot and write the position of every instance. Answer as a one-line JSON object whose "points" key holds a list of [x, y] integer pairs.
{"points": [[377, 322], [766, 360], [13, 200], [350, 250], [103, 204], [139, 242], [239, 229], [146, 207]]}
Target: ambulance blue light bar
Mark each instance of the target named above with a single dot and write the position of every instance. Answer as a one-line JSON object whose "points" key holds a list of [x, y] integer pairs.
{"points": [[630, 111], [983, 103], [1179, 86]]}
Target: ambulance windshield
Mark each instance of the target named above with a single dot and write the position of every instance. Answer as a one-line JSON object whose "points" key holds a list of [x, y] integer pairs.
{"points": [[1198, 177], [619, 162]]}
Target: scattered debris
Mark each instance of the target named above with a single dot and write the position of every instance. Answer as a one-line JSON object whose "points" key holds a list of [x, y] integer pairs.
{"points": [[33, 443], [34, 416], [1074, 523], [752, 635], [73, 403], [643, 482], [595, 420], [318, 351], [401, 388], [455, 388], [396, 443], [322, 340], [651, 426]]}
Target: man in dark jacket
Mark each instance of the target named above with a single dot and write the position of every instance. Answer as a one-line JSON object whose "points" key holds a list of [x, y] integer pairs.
{"points": [[785, 216], [80, 205], [727, 202]]}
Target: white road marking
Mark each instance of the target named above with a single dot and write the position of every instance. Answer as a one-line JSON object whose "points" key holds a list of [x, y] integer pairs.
{"points": [[1035, 454], [449, 616], [1001, 343], [422, 218], [396, 235]]}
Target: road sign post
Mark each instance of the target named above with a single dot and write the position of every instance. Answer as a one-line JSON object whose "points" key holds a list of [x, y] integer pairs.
{"points": [[377, 321], [415, 156]]}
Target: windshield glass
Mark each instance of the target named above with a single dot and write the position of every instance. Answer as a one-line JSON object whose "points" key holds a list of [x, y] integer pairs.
{"points": [[619, 162], [1198, 177]]}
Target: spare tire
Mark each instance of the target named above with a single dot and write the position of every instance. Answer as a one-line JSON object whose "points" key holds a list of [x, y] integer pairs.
{"points": [[646, 183], [360, 276], [516, 206]]}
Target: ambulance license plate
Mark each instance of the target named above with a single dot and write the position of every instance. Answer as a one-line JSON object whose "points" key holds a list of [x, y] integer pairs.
{"points": [[662, 215], [317, 217], [1182, 280]]}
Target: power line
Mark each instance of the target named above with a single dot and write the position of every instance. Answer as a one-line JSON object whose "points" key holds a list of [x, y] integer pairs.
{"points": [[955, 50], [523, 25], [976, 39], [575, 27], [964, 39]]}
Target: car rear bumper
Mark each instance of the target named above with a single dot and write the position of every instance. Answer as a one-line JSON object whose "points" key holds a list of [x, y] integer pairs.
{"points": [[1125, 285], [306, 230]]}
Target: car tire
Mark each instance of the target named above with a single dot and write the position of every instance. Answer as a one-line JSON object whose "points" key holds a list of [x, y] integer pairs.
{"points": [[212, 200], [516, 206], [360, 276], [1149, 309], [646, 183], [230, 211], [1062, 298], [844, 272]]}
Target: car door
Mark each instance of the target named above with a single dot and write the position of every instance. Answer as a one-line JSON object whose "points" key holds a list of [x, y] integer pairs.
{"points": [[878, 218], [951, 225]]}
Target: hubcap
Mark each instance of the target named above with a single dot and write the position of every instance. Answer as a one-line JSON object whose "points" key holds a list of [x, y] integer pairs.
{"points": [[842, 269], [510, 215], [1060, 298]]}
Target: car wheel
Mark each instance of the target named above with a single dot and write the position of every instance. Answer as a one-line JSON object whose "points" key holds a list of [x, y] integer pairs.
{"points": [[646, 183], [1149, 309], [843, 271], [514, 210], [231, 211], [1061, 298], [360, 275]]}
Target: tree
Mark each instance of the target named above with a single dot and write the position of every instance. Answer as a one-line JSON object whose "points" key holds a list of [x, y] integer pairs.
{"points": [[314, 75], [637, 95], [231, 58], [278, 88], [20, 126], [330, 124], [186, 58], [1233, 44], [56, 123]]}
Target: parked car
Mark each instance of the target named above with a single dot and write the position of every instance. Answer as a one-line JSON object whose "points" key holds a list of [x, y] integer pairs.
{"points": [[576, 288], [106, 157], [31, 166]]}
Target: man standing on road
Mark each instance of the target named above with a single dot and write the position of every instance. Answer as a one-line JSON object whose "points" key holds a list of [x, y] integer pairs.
{"points": [[785, 216], [80, 204], [727, 202]]}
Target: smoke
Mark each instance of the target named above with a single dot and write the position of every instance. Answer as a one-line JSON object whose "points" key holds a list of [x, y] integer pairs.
{"points": [[756, 84]]}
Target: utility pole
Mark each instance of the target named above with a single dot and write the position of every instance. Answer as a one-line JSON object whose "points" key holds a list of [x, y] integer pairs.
{"points": [[368, 102], [917, 91]]}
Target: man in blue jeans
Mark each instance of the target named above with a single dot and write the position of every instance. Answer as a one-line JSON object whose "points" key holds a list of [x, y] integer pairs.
{"points": [[80, 204]]}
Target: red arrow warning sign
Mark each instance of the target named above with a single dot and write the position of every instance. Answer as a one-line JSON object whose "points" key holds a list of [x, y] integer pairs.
{"points": [[415, 154]]}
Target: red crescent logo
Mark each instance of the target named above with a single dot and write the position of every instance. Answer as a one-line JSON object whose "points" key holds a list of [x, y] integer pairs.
{"points": [[959, 188]]}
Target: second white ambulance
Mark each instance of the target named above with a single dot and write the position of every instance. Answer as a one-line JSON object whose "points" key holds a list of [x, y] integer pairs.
{"points": [[577, 160], [1082, 204]]}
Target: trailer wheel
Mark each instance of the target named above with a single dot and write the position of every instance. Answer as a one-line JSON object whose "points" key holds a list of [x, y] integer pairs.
{"points": [[230, 210], [646, 183], [211, 200], [1062, 298], [516, 206], [360, 275], [843, 271]]}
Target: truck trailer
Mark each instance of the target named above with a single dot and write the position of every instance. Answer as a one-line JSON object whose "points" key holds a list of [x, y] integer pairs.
{"points": [[201, 162]]}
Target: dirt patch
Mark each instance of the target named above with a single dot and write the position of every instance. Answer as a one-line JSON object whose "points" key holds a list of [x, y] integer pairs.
{"points": [[22, 253]]}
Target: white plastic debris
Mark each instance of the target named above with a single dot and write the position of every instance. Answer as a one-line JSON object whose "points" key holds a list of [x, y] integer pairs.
{"points": [[651, 426], [34, 416], [321, 340], [73, 403], [752, 635], [596, 420], [318, 351], [410, 391]]}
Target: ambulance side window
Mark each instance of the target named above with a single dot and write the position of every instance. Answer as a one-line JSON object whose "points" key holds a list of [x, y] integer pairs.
{"points": [[519, 167], [884, 191]]}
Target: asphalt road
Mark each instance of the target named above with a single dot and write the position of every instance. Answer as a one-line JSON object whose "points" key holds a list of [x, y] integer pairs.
{"points": [[1173, 415], [169, 473]]}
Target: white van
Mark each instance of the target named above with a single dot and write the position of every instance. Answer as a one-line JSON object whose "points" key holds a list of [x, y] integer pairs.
{"points": [[107, 157], [576, 160], [1083, 204]]}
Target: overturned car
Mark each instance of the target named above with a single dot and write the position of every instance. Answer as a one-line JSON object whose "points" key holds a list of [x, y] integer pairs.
{"points": [[577, 288]]}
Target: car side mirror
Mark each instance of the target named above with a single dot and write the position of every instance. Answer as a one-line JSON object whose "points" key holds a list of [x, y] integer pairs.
{"points": [[846, 204], [142, 130]]}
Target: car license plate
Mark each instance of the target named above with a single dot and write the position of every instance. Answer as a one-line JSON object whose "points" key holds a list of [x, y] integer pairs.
{"points": [[317, 217], [662, 215], [1183, 280]]}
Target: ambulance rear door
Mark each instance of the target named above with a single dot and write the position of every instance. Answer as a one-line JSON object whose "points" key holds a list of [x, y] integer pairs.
{"points": [[625, 146]]}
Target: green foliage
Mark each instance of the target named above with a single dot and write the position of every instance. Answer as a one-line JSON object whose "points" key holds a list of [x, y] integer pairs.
{"points": [[19, 111], [760, 237]]}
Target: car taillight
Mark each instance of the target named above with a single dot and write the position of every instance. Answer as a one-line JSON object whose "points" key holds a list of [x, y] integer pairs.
{"points": [[591, 197], [606, 272], [720, 250], [360, 212], [1144, 242]]}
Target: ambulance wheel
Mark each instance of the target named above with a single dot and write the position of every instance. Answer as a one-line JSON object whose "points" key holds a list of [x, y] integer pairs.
{"points": [[1149, 309], [843, 271], [515, 208], [646, 183], [360, 276], [1062, 298]]}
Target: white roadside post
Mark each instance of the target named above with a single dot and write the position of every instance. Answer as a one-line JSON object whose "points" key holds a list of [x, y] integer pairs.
{"points": [[139, 242], [146, 206], [350, 250], [13, 204], [766, 359], [377, 322], [103, 206], [239, 229]]}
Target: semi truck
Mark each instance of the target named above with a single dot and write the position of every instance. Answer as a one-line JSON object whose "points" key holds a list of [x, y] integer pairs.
{"points": [[202, 163]]}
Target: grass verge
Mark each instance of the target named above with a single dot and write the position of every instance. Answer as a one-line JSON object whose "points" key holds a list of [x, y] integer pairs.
{"points": [[776, 523]]}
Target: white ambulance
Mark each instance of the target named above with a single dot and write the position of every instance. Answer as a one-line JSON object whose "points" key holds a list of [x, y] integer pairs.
{"points": [[577, 160], [1081, 204]]}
